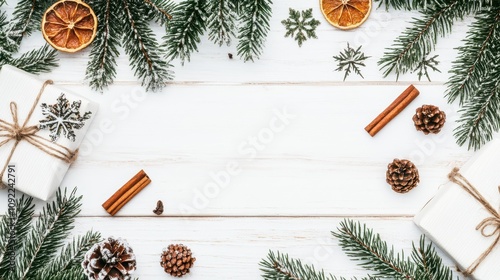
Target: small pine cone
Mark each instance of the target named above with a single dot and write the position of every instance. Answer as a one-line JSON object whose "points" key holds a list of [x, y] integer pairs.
{"points": [[111, 259], [402, 175], [177, 260], [429, 119]]}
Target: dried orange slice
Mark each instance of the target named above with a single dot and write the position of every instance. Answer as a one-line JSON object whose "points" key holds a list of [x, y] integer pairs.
{"points": [[346, 14], [69, 25]]}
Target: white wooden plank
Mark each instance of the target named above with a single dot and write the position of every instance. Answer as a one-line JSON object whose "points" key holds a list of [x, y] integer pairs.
{"points": [[282, 59], [232, 248], [321, 163]]}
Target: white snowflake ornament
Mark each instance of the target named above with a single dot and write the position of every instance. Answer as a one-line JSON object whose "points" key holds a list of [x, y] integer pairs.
{"points": [[63, 117]]}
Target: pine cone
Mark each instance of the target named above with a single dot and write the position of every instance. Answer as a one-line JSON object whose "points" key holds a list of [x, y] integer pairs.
{"points": [[402, 175], [177, 260], [111, 259], [429, 119]]}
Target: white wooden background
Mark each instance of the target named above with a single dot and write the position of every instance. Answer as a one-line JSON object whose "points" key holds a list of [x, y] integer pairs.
{"points": [[318, 169]]}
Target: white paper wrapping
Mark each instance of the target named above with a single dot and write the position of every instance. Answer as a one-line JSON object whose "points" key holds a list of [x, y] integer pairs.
{"points": [[451, 217], [37, 173]]}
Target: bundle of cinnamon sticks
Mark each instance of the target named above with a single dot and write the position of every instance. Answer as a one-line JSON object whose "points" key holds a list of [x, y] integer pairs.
{"points": [[126, 193], [392, 110]]}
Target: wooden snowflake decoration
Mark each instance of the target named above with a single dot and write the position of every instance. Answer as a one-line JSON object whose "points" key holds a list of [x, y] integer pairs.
{"points": [[350, 60], [301, 25], [63, 117]]}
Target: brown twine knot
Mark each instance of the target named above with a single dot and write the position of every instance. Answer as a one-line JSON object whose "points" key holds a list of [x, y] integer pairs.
{"points": [[489, 227], [18, 133]]}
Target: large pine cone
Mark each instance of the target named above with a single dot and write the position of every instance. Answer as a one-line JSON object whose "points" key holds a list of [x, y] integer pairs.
{"points": [[429, 119], [402, 175], [111, 259], [177, 259]]}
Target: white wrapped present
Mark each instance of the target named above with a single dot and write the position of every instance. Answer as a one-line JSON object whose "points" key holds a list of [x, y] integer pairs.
{"points": [[463, 217], [41, 128]]}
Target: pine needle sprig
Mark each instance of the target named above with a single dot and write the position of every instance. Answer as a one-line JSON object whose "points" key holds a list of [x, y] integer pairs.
{"points": [[8, 46], [428, 263], [101, 68], [480, 114], [278, 266], [184, 31], [424, 65], [36, 61], [404, 5], [415, 43], [350, 60], [71, 256], [362, 245], [27, 17], [254, 28], [37, 245], [424, 4], [248, 19], [159, 10], [126, 23], [475, 56], [142, 48], [301, 25], [222, 21], [20, 219], [48, 234]]}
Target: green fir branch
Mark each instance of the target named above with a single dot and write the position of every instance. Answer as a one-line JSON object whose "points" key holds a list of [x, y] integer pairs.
{"points": [[70, 256], [415, 43], [429, 264], [142, 48], [425, 4], [405, 4], [362, 245], [27, 17], [74, 273], [480, 116], [255, 17], [20, 218], [159, 10], [48, 234], [101, 68], [222, 21], [38, 244], [185, 29], [237, 6], [301, 25], [475, 57], [36, 61], [278, 266]]}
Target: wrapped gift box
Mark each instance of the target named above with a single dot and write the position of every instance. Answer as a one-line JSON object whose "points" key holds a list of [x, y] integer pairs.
{"points": [[37, 172], [451, 217]]}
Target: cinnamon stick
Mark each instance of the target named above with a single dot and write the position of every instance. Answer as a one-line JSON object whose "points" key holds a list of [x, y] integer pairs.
{"points": [[401, 102], [126, 192], [124, 189], [129, 195]]}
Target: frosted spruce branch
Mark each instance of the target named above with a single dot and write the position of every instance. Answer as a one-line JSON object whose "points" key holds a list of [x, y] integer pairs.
{"points": [[367, 248]]}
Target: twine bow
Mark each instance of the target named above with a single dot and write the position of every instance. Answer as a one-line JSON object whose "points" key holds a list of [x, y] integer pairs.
{"points": [[15, 132], [489, 227]]}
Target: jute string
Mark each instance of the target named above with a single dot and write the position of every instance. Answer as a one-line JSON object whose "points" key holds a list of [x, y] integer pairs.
{"points": [[492, 223], [17, 133]]}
